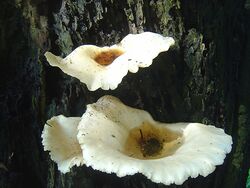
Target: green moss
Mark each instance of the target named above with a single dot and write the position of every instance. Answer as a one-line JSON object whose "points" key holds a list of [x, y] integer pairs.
{"points": [[64, 40], [248, 179], [238, 156], [129, 15], [247, 4], [237, 161], [193, 57], [33, 102], [195, 88], [169, 24], [162, 8]]}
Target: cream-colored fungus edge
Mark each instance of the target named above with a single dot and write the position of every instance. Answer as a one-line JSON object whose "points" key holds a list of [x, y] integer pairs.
{"points": [[59, 137]]}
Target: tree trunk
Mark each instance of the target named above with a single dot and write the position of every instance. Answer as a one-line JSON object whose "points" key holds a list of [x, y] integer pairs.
{"points": [[203, 78]]}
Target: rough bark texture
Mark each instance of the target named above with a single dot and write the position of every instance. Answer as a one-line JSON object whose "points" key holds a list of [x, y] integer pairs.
{"points": [[204, 78]]}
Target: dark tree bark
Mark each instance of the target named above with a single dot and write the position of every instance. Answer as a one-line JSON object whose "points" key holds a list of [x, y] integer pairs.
{"points": [[204, 78]]}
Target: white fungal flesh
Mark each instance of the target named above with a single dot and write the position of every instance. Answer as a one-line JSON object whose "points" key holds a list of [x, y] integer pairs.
{"points": [[105, 126], [138, 50], [60, 138], [100, 138]]}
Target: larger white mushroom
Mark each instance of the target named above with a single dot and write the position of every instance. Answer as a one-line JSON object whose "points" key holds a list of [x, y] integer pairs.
{"points": [[115, 138], [105, 67], [119, 139]]}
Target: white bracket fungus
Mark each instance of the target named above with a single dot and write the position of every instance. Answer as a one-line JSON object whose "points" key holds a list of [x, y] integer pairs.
{"points": [[115, 138], [104, 67], [119, 139], [59, 137]]}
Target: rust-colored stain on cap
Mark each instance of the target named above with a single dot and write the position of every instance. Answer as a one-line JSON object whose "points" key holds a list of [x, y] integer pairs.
{"points": [[107, 57]]}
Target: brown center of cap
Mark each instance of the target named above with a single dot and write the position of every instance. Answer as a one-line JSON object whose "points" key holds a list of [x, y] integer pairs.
{"points": [[149, 146], [107, 57], [148, 141]]}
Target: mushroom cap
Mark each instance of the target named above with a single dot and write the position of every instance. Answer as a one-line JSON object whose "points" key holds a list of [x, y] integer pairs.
{"points": [[104, 67], [108, 124], [59, 136]]}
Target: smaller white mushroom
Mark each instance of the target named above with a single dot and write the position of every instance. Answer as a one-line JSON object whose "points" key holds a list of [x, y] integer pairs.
{"points": [[60, 138], [119, 139], [105, 67]]}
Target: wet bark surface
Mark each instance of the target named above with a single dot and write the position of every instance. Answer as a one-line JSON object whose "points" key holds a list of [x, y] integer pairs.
{"points": [[203, 78]]}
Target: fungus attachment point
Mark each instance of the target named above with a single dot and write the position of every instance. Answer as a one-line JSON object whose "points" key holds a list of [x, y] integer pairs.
{"points": [[151, 142], [107, 57]]}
